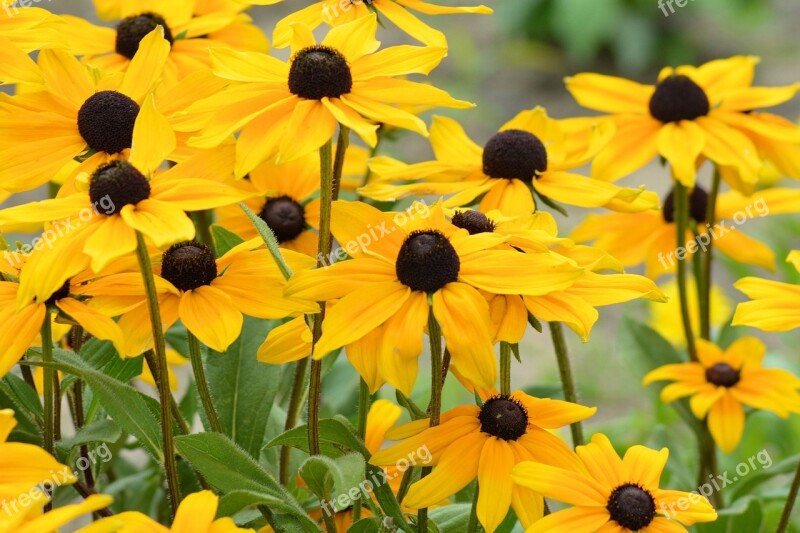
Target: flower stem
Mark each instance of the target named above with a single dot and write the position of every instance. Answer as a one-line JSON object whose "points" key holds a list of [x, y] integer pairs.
{"points": [[783, 525], [567, 381], [201, 383], [363, 410], [338, 163], [505, 368], [49, 385], [704, 288], [296, 401], [435, 406], [681, 222], [472, 525], [165, 395]]}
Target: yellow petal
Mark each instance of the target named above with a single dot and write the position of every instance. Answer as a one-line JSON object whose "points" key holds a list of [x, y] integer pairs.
{"points": [[153, 138], [209, 314]]}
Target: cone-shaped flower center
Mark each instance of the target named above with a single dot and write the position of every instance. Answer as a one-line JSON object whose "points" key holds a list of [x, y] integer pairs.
{"points": [[117, 183], [631, 506], [133, 29], [722, 375], [503, 417], [698, 205], [678, 98], [473, 221], [319, 71], [427, 261], [105, 121], [285, 217], [514, 154], [188, 265], [62, 292]]}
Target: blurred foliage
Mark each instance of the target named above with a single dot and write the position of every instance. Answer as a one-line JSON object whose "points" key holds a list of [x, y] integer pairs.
{"points": [[632, 35]]}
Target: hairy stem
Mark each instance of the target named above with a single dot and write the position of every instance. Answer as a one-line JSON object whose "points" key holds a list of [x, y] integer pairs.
{"points": [[567, 381], [201, 383]]}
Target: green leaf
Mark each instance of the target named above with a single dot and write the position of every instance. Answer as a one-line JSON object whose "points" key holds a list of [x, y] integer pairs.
{"points": [[102, 356], [451, 518], [748, 485], [336, 438], [26, 400], [322, 474], [244, 389], [268, 236], [104, 430], [127, 406], [228, 468], [233, 502], [365, 525], [224, 240]]}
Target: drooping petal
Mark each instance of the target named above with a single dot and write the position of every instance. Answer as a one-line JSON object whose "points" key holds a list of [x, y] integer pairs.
{"points": [[211, 316]]}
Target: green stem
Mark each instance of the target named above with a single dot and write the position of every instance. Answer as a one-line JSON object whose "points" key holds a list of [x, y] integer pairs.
{"points": [[505, 368], [363, 411], [202, 223], [49, 386], [435, 406], [201, 383], [705, 293], [269, 240], [709, 466], [405, 484], [152, 364], [783, 525], [472, 525], [567, 381], [338, 163], [296, 401], [681, 216], [165, 395]]}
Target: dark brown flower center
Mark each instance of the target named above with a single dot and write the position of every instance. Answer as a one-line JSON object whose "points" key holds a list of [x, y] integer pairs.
{"points": [[106, 120], [698, 205], [678, 98], [188, 265], [473, 221], [514, 154], [427, 261], [117, 183], [722, 375], [285, 217], [131, 30], [503, 417], [631, 506], [62, 292], [318, 72]]}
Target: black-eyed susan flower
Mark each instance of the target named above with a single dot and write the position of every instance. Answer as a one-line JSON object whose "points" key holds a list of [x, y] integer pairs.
{"points": [[196, 514], [574, 305], [403, 261], [531, 153], [210, 296], [291, 109], [722, 383], [29, 518], [610, 494], [191, 27], [651, 237], [76, 112], [23, 466], [335, 12], [486, 443], [774, 305], [691, 111], [119, 202], [22, 318]]}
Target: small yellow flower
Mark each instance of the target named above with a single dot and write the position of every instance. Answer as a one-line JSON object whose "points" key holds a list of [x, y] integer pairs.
{"points": [[775, 306], [722, 383], [612, 495]]}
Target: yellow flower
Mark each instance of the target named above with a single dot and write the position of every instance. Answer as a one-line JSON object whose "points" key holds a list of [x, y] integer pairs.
{"points": [[196, 514], [30, 519], [26, 29], [692, 111], [191, 27], [75, 112], [487, 442], [722, 382], [531, 153], [651, 237], [400, 261], [291, 109], [209, 295], [666, 318], [335, 12], [104, 219], [610, 494], [775, 306]]}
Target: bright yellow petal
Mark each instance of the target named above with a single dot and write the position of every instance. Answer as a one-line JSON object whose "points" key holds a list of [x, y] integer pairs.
{"points": [[211, 316], [726, 422], [153, 138], [494, 482]]}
